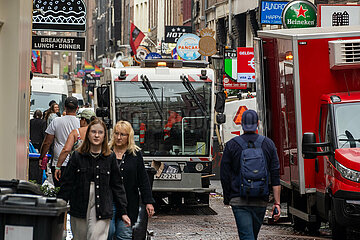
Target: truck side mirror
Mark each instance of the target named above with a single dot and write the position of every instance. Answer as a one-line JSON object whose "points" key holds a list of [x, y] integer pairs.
{"points": [[220, 102], [220, 118], [103, 96], [309, 146]]}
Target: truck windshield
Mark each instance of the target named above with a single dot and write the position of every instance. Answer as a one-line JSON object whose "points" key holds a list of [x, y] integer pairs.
{"points": [[347, 125], [40, 100], [165, 118]]}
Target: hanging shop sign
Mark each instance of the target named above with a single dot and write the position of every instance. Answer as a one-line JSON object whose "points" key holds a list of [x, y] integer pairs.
{"points": [[57, 43], [207, 43], [246, 64], [230, 63], [299, 14], [330, 15], [173, 33], [231, 84], [187, 47], [59, 15], [271, 12]]}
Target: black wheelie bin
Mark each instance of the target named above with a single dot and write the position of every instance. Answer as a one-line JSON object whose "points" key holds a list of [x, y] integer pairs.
{"points": [[30, 217]]}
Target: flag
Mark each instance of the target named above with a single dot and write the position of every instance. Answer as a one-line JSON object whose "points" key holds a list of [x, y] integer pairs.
{"points": [[174, 54], [231, 68], [88, 67], [136, 36], [36, 62], [98, 71]]}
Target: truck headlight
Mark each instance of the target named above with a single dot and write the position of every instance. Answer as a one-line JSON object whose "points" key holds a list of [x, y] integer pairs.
{"points": [[348, 173], [199, 167]]}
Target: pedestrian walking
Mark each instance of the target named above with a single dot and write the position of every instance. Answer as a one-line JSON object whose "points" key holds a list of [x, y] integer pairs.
{"points": [[75, 139], [91, 182], [52, 113], [248, 163], [58, 132], [131, 164], [37, 130], [50, 103]]}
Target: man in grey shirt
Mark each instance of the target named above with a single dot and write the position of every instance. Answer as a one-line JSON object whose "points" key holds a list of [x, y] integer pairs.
{"points": [[58, 131]]}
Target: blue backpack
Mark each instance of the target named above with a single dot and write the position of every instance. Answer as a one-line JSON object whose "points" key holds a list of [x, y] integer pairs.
{"points": [[254, 176]]}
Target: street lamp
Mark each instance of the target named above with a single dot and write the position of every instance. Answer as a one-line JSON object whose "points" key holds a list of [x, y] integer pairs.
{"points": [[218, 63]]}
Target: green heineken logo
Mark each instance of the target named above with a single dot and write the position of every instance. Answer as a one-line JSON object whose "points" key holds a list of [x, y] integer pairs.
{"points": [[299, 14]]}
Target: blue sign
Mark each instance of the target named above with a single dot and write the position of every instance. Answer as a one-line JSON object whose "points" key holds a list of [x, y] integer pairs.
{"points": [[271, 12], [153, 55]]}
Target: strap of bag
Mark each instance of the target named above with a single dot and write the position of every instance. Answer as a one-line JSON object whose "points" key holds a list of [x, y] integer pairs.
{"points": [[259, 141], [241, 142]]}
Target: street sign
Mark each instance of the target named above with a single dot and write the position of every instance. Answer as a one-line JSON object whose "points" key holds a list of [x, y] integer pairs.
{"points": [[271, 12], [246, 65], [59, 15], [57, 43], [173, 33], [338, 15]]}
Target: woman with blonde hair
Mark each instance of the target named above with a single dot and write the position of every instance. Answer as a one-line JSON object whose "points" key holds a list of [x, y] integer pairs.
{"points": [[131, 164], [92, 182]]}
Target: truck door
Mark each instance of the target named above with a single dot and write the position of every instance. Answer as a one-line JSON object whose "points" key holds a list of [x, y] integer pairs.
{"points": [[321, 161]]}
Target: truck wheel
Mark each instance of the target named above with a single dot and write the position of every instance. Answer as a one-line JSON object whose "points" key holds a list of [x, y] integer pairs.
{"points": [[338, 231]]}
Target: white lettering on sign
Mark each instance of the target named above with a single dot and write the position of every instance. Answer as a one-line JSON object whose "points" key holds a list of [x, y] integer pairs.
{"points": [[246, 53], [271, 6], [57, 40]]}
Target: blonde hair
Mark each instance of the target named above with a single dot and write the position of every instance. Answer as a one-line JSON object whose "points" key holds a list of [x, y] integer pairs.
{"points": [[85, 146], [131, 146]]}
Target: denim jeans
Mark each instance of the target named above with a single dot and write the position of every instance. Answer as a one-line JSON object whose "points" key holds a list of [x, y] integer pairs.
{"points": [[248, 221], [118, 228]]}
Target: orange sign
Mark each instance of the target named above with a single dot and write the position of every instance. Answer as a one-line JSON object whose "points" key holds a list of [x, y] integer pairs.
{"points": [[237, 118]]}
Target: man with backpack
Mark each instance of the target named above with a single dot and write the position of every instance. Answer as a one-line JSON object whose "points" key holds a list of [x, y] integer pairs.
{"points": [[248, 165]]}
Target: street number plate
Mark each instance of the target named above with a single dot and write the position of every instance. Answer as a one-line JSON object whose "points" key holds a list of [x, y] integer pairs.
{"points": [[169, 176]]}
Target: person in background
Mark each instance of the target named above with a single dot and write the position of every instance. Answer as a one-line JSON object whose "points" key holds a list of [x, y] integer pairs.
{"points": [[37, 130], [50, 103], [131, 164], [58, 132], [91, 182], [249, 212], [75, 139], [52, 113]]}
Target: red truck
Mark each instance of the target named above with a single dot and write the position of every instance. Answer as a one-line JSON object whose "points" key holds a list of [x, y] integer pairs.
{"points": [[308, 100]]}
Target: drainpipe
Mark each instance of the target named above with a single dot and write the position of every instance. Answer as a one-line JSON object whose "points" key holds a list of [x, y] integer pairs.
{"points": [[230, 23], [206, 7]]}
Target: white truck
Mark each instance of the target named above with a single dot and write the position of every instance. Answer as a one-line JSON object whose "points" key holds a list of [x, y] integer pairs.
{"points": [[44, 88], [171, 108]]}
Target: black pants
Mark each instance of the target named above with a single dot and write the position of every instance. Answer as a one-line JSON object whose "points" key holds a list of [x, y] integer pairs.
{"points": [[56, 182]]}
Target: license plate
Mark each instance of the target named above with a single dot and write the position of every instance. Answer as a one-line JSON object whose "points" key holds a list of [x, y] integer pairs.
{"points": [[169, 176]]}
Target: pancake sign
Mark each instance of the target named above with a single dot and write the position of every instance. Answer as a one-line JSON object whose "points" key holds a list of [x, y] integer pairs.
{"points": [[207, 43]]}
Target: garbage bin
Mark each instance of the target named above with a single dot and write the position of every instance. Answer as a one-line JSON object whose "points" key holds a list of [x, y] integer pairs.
{"points": [[35, 173], [19, 186], [25, 216], [140, 227]]}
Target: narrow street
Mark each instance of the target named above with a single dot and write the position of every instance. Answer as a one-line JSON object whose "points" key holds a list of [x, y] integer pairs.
{"points": [[182, 225]]}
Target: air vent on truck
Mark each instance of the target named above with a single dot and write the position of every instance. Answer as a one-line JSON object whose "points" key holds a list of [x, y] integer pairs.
{"points": [[344, 54]]}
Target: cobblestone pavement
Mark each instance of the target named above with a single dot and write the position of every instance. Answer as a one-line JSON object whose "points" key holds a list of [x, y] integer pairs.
{"points": [[220, 226]]}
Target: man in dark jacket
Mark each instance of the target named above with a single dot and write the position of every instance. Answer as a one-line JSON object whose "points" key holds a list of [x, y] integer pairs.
{"points": [[37, 130], [249, 211]]}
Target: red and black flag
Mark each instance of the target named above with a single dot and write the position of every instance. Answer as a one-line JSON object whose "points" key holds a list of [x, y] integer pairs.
{"points": [[136, 36]]}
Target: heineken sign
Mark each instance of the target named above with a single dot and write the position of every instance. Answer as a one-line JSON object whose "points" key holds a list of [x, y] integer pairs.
{"points": [[299, 14]]}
